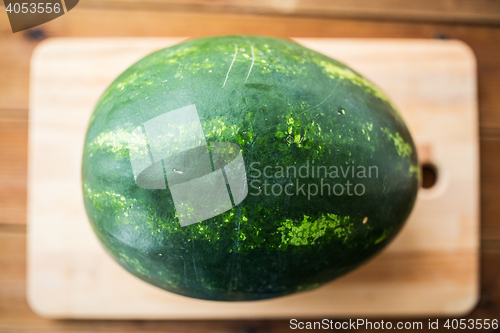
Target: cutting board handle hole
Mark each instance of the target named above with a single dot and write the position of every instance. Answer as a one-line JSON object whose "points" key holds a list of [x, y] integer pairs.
{"points": [[429, 175]]}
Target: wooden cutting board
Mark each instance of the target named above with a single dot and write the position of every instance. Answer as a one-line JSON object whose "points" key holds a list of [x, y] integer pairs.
{"points": [[431, 268]]}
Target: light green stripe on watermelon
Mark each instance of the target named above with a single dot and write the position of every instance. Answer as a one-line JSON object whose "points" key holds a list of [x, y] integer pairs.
{"points": [[415, 171], [403, 148], [335, 71], [119, 142], [135, 263], [310, 230], [217, 128], [107, 199], [306, 232], [129, 80]]}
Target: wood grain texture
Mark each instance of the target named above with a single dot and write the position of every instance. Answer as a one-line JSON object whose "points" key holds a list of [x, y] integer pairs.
{"points": [[13, 170], [453, 11], [433, 261], [442, 11], [490, 190], [15, 53]]}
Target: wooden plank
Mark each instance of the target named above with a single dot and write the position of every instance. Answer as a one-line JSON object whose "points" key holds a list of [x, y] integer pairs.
{"points": [[489, 304], [436, 254], [16, 316], [440, 11], [13, 166], [15, 49], [15, 53], [490, 188], [453, 11]]}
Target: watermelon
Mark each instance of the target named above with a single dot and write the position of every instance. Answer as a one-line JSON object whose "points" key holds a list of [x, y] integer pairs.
{"points": [[242, 168]]}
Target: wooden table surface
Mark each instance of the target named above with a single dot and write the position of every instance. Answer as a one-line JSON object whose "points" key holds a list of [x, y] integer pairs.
{"points": [[478, 25]]}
